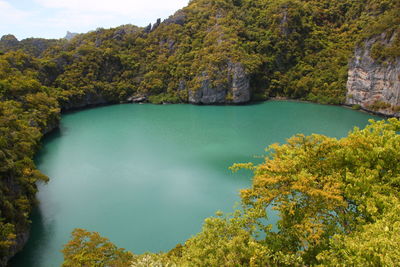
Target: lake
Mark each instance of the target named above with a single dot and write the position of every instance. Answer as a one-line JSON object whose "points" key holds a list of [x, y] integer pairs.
{"points": [[146, 176]]}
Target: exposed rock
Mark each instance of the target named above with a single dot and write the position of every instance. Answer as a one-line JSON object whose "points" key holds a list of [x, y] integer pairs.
{"points": [[178, 18], [70, 35], [182, 85], [98, 42], [155, 25], [129, 28], [119, 34], [9, 41], [137, 99], [147, 29], [284, 25], [51, 125], [240, 84], [370, 82], [207, 94], [123, 30], [90, 99], [169, 43], [236, 91]]}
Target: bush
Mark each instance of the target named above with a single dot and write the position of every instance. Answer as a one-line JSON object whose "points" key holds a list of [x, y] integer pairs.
{"points": [[379, 105], [165, 98]]}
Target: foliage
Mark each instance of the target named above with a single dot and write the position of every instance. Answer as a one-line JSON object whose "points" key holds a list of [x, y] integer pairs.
{"points": [[375, 245], [324, 187], [26, 111], [288, 48], [378, 105], [164, 99], [338, 202], [32, 46], [90, 249]]}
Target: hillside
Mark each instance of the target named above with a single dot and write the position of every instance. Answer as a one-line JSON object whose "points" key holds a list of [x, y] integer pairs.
{"points": [[210, 52]]}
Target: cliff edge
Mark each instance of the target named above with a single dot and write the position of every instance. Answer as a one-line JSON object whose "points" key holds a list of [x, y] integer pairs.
{"points": [[374, 82]]}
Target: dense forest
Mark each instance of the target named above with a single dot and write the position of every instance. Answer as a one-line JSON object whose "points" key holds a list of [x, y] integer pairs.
{"points": [[214, 52]]}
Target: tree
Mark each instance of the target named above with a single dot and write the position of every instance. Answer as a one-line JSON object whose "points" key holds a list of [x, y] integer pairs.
{"points": [[90, 249], [324, 187]]}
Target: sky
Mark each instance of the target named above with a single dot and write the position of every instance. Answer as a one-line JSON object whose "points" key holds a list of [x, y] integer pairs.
{"points": [[53, 18]]}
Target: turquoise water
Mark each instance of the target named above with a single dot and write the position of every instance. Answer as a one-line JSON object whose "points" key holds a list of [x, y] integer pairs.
{"points": [[146, 176]]}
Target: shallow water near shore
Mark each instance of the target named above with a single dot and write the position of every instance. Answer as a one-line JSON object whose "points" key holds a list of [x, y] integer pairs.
{"points": [[146, 176]]}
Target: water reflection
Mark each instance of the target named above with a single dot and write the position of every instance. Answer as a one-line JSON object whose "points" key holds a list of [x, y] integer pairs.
{"points": [[146, 176], [40, 233]]}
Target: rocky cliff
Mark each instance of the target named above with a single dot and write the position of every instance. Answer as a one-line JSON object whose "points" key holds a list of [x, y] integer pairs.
{"points": [[374, 83], [70, 35], [235, 90]]}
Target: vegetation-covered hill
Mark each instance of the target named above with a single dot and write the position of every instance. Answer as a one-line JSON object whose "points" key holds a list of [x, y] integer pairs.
{"points": [[212, 51]]}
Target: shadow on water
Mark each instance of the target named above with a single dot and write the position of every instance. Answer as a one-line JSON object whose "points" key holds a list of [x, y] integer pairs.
{"points": [[49, 138], [39, 235], [39, 232], [207, 140]]}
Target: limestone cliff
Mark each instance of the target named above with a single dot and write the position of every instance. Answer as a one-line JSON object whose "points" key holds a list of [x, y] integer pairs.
{"points": [[236, 90], [83, 101], [70, 35], [374, 84]]}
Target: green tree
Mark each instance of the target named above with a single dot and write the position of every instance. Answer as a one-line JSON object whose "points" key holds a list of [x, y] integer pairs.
{"points": [[91, 250], [324, 187]]}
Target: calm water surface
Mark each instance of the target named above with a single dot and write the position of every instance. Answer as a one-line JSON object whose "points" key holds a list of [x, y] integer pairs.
{"points": [[146, 176]]}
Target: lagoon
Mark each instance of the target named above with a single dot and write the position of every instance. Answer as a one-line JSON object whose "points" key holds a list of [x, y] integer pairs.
{"points": [[146, 176]]}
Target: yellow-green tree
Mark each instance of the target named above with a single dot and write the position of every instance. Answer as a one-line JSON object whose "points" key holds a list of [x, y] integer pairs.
{"points": [[324, 187], [89, 249]]}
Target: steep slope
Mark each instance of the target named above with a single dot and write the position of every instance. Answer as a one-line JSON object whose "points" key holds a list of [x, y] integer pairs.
{"points": [[374, 84], [32, 46], [210, 52], [374, 73]]}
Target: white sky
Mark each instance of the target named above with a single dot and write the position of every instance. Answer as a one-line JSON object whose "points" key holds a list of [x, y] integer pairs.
{"points": [[53, 18]]}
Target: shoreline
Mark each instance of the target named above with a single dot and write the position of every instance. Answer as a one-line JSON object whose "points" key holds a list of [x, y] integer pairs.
{"points": [[90, 106], [56, 127]]}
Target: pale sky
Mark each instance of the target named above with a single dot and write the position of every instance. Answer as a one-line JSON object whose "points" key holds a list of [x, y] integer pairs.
{"points": [[53, 18]]}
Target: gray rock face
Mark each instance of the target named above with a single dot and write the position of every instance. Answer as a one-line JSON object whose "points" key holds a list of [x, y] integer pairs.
{"points": [[237, 89], [155, 25], [370, 81], [90, 99], [137, 99], [207, 94], [178, 18], [9, 41], [240, 84], [70, 35]]}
